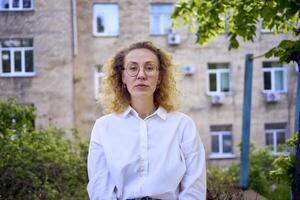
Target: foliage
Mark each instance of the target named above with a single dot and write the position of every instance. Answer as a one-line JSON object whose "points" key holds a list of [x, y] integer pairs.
{"points": [[224, 183], [15, 117], [284, 165], [39, 164], [209, 18]]}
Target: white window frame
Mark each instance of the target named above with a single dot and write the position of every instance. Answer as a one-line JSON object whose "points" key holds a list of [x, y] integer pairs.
{"points": [[98, 75], [20, 8], [221, 154], [95, 12], [272, 70], [218, 73], [274, 140], [12, 72], [162, 16]]}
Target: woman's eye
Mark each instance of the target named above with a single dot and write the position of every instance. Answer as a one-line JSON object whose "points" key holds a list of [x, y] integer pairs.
{"points": [[133, 68], [150, 67]]}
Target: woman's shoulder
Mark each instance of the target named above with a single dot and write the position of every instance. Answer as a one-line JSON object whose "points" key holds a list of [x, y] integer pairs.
{"points": [[106, 117], [179, 114]]}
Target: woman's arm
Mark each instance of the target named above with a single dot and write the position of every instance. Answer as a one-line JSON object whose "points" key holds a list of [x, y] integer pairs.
{"points": [[100, 186], [193, 184]]}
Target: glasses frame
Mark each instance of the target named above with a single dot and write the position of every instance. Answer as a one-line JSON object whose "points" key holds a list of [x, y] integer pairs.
{"points": [[156, 69]]}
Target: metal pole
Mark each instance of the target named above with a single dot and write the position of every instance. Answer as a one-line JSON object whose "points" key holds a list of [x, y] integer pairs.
{"points": [[244, 169], [296, 182]]}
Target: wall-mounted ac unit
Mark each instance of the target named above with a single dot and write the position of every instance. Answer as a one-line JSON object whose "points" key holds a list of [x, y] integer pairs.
{"points": [[272, 97], [173, 39], [296, 67], [188, 70], [217, 99]]}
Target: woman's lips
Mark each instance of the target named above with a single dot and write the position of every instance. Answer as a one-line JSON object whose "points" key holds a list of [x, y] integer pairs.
{"points": [[141, 86]]}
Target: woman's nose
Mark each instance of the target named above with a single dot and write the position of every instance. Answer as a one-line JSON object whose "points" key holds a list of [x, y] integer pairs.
{"points": [[141, 73]]}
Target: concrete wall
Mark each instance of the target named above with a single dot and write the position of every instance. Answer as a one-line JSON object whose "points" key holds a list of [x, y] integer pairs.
{"points": [[51, 89]]}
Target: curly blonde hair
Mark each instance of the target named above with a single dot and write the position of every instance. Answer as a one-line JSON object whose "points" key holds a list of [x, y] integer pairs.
{"points": [[116, 98]]}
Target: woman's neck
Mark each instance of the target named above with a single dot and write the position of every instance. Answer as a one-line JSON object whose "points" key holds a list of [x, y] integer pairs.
{"points": [[144, 107]]}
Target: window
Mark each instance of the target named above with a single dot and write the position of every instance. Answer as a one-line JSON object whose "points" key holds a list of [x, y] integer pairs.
{"points": [[274, 75], [16, 57], [16, 5], [218, 78], [160, 21], [106, 20], [98, 77], [275, 135], [221, 142]]}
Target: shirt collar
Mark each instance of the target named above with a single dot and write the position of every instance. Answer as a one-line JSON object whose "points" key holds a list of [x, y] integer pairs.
{"points": [[161, 112]]}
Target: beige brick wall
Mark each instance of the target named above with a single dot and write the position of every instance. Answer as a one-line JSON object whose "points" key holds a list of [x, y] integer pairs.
{"points": [[51, 89]]}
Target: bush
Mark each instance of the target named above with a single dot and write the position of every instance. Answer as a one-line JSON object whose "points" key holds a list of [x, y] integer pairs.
{"points": [[39, 164], [224, 183]]}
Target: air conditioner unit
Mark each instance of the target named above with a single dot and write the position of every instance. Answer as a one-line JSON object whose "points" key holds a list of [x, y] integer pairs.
{"points": [[296, 67], [173, 39], [272, 97], [217, 99], [188, 70]]}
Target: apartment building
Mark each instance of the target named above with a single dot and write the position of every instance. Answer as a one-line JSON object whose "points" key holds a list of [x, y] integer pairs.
{"points": [[52, 53]]}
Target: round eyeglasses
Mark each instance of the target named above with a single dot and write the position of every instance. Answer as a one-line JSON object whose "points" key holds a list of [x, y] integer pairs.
{"points": [[133, 69]]}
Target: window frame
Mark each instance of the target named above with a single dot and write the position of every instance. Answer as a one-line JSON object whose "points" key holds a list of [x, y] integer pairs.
{"points": [[20, 8], [273, 70], [274, 133], [218, 73], [161, 15], [221, 154], [98, 34], [12, 72], [98, 75]]}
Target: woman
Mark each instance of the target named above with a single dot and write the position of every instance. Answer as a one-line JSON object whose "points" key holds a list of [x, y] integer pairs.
{"points": [[144, 149]]}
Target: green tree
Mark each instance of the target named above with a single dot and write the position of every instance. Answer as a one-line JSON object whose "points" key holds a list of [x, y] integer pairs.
{"points": [[239, 18], [38, 164]]}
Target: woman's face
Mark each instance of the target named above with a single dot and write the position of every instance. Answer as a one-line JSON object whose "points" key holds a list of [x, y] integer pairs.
{"points": [[141, 73]]}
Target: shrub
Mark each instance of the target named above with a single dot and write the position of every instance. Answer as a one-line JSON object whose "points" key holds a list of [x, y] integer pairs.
{"points": [[39, 164]]}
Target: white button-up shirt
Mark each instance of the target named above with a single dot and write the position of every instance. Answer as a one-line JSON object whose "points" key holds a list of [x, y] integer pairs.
{"points": [[161, 156]]}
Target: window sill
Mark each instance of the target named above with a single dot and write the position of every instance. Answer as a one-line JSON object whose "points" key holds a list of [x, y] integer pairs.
{"points": [[16, 10], [276, 92], [222, 156], [105, 35], [219, 93], [158, 34], [17, 75]]}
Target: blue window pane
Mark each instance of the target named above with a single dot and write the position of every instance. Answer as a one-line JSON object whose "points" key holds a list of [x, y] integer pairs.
{"points": [[212, 82], [16, 3], [27, 3], [18, 61], [4, 4], [6, 62], [29, 61], [161, 8], [227, 144], [267, 80], [215, 144], [225, 82], [279, 80], [155, 24]]}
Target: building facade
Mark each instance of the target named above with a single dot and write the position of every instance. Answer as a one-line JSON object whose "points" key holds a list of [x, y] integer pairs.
{"points": [[52, 53]]}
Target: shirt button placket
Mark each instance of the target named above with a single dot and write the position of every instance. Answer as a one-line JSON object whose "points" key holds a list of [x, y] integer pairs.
{"points": [[143, 162]]}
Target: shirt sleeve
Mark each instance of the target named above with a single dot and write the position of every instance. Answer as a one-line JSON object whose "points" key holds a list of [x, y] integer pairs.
{"points": [[100, 185], [193, 184]]}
